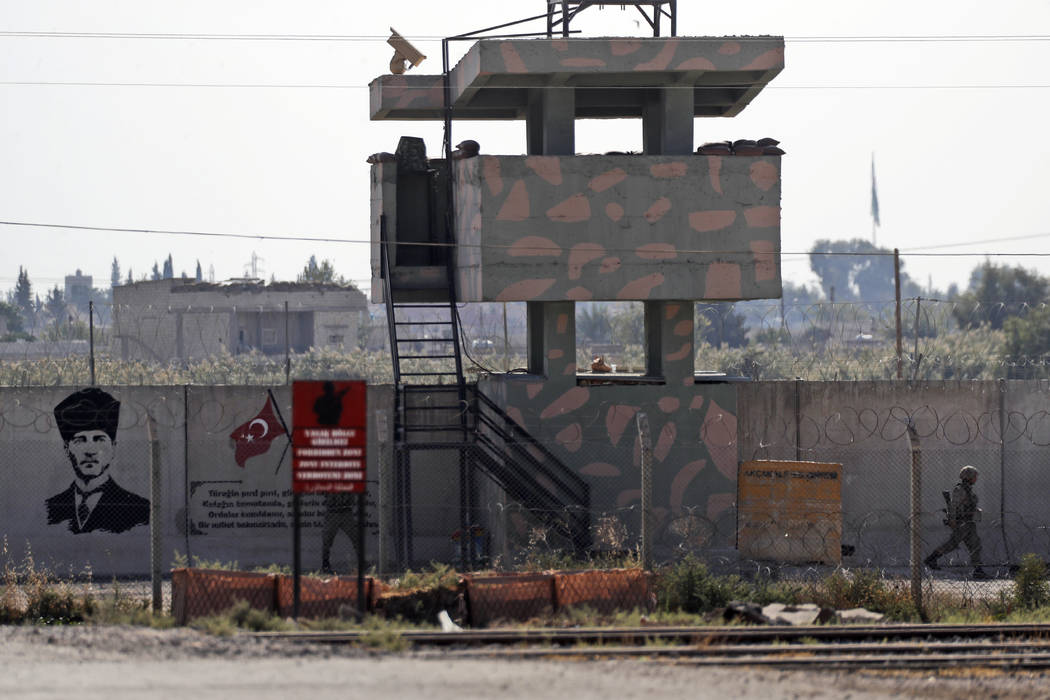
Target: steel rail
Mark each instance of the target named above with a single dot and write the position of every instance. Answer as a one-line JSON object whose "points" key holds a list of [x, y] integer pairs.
{"points": [[633, 635], [772, 650], [1013, 661]]}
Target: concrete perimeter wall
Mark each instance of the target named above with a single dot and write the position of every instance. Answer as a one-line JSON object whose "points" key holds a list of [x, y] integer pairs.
{"points": [[217, 510], [212, 508], [1002, 428]]}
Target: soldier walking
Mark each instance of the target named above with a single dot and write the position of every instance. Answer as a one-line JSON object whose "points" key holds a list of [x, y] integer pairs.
{"points": [[963, 516]]}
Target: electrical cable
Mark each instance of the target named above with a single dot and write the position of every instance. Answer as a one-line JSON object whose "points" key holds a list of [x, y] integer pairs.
{"points": [[427, 88], [382, 38], [492, 246]]}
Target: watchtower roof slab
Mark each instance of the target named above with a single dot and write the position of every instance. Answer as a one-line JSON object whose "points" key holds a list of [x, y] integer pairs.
{"points": [[610, 76]]}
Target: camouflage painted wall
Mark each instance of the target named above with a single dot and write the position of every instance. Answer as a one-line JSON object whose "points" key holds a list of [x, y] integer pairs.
{"points": [[592, 429], [549, 228]]}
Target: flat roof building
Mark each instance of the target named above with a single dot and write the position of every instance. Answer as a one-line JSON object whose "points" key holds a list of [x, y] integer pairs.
{"points": [[182, 319]]}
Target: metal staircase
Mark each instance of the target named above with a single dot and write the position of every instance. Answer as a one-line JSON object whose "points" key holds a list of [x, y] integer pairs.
{"points": [[435, 410]]}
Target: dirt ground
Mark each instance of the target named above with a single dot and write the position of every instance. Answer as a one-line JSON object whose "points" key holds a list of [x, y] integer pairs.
{"points": [[118, 662]]}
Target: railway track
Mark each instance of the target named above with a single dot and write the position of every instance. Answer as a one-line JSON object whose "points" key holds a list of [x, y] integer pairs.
{"points": [[918, 647]]}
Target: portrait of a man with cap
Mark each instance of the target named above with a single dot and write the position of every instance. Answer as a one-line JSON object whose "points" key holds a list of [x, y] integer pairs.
{"points": [[87, 421]]}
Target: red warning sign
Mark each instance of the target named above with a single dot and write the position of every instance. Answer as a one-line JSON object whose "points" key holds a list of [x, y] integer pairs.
{"points": [[329, 436]]}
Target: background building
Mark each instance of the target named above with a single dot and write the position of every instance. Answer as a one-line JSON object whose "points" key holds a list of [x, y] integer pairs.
{"points": [[78, 290], [182, 319]]}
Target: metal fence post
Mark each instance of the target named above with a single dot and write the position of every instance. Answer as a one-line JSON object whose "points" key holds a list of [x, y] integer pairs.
{"points": [[287, 348], [645, 439], [383, 437], [916, 518], [1004, 424], [155, 542], [897, 293], [798, 419], [91, 338]]}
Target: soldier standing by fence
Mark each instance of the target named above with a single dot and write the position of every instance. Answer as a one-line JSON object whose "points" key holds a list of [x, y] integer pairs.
{"points": [[962, 517]]}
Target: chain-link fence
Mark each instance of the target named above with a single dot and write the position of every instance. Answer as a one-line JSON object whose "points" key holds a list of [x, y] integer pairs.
{"points": [[510, 486]]}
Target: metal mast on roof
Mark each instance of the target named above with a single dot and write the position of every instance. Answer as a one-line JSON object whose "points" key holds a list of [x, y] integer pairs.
{"points": [[560, 14], [448, 113]]}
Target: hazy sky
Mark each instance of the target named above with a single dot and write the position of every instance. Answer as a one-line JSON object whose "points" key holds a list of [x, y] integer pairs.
{"points": [[181, 134]]}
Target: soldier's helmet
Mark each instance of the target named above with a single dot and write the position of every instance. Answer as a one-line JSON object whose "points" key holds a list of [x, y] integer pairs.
{"points": [[968, 473]]}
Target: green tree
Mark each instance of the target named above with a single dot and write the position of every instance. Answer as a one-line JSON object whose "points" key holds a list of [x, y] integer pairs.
{"points": [[155, 274], [114, 273], [999, 292], [323, 273], [12, 318], [593, 324], [628, 326], [169, 268], [719, 324], [856, 270], [55, 304], [1028, 336], [24, 295], [198, 275]]}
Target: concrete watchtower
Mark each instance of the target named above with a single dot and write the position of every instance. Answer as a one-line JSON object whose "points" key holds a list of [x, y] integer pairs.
{"points": [[668, 227]]}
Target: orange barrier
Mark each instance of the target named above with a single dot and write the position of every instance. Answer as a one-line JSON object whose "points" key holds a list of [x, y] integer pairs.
{"points": [[376, 590], [604, 591], [321, 597], [203, 592], [421, 605], [509, 597]]}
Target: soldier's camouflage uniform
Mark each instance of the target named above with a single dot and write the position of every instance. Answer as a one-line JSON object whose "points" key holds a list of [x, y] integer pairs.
{"points": [[962, 520]]}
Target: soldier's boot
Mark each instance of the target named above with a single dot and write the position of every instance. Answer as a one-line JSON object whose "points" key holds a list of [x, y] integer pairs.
{"points": [[979, 574], [931, 562]]}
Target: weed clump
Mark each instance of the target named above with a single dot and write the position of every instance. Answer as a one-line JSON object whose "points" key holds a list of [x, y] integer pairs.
{"points": [[1031, 588], [30, 593], [438, 576], [865, 588], [689, 587], [242, 616]]}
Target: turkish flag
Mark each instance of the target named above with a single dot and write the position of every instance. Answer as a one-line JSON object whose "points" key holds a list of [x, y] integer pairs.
{"points": [[254, 437]]}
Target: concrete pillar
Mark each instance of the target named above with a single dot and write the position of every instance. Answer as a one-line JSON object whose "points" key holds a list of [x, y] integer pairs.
{"points": [[669, 345], [552, 339], [550, 125], [180, 348], [550, 130], [667, 121]]}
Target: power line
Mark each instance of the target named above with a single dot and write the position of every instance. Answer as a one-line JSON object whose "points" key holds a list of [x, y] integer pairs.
{"points": [[288, 86], [336, 86], [351, 38], [987, 240], [915, 252]]}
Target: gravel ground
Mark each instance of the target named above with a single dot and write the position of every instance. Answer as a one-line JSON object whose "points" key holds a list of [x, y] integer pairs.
{"points": [[120, 662]]}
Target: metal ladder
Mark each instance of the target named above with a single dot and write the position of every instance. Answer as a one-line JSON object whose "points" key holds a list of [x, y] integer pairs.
{"points": [[427, 360]]}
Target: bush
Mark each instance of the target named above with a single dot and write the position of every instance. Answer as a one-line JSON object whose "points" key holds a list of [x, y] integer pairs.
{"points": [[31, 593], [866, 588], [689, 587], [241, 616], [1031, 589]]}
